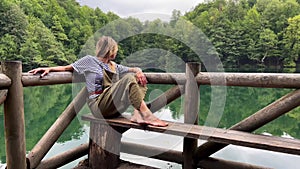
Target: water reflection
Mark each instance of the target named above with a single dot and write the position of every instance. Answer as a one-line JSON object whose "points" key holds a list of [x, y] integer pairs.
{"points": [[44, 104]]}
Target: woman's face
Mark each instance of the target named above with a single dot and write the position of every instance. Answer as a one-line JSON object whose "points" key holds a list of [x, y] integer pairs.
{"points": [[113, 56]]}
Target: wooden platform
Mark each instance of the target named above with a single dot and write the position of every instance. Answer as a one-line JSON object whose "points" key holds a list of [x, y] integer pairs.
{"points": [[124, 165], [223, 136]]}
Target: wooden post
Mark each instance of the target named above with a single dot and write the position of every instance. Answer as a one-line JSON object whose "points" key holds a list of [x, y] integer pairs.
{"points": [[255, 121], [14, 117], [105, 144], [191, 109]]}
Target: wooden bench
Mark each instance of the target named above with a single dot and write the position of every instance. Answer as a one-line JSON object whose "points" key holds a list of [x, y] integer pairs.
{"points": [[105, 137]]}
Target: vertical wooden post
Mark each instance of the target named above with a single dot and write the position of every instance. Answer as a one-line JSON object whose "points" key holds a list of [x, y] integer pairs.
{"points": [[14, 117], [105, 145], [191, 109]]}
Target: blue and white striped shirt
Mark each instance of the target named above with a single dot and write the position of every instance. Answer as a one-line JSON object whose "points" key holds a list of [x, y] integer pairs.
{"points": [[92, 69]]}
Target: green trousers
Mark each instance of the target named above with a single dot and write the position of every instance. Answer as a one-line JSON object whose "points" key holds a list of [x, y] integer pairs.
{"points": [[117, 96]]}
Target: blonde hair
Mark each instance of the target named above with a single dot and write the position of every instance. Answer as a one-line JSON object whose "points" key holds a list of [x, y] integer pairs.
{"points": [[106, 46]]}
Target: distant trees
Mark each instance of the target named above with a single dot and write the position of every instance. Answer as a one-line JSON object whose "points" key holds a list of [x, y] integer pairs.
{"points": [[250, 31], [291, 40], [242, 32], [46, 33]]}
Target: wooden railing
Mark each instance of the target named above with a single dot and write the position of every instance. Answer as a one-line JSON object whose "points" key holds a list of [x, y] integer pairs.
{"points": [[12, 80]]}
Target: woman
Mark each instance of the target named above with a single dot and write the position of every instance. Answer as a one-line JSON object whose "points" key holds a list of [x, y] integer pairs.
{"points": [[107, 94]]}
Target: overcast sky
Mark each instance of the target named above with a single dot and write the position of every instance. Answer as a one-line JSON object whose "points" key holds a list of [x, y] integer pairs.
{"points": [[125, 8]]}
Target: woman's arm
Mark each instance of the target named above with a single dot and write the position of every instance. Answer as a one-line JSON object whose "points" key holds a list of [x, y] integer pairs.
{"points": [[46, 70], [139, 74]]}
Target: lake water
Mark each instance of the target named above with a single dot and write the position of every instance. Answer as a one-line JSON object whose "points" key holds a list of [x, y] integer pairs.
{"points": [[44, 104]]}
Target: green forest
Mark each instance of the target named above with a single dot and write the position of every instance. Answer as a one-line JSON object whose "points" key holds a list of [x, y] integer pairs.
{"points": [[243, 32]]}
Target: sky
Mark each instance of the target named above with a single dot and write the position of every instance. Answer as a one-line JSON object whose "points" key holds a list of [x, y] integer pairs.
{"points": [[126, 8]]}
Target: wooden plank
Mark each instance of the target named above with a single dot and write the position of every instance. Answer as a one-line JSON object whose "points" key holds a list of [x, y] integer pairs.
{"points": [[272, 143], [124, 165]]}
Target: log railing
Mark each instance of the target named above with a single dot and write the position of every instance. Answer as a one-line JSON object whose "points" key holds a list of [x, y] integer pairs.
{"points": [[12, 80], [265, 80]]}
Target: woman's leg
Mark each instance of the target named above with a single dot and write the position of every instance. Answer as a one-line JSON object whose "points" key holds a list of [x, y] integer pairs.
{"points": [[137, 117], [123, 93]]}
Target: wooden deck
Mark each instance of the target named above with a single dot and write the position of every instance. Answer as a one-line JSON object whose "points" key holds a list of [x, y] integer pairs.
{"points": [[216, 135], [124, 165]]}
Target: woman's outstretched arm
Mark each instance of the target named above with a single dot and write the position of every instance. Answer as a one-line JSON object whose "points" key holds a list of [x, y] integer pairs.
{"points": [[46, 70]]}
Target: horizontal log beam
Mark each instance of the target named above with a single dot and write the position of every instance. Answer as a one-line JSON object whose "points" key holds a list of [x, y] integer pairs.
{"points": [[28, 79], [65, 157], [271, 80], [5, 81], [177, 157], [146, 151]]}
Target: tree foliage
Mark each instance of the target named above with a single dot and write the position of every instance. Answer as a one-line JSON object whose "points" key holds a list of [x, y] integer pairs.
{"points": [[46, 33], [250, 32], [242, 32]]}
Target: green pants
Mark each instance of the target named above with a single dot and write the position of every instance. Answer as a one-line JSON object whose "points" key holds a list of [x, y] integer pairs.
{"points": [[117, 96]]}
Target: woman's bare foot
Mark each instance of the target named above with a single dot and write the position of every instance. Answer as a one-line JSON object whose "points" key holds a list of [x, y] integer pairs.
{"points": [[137, 117], [150, 119]]}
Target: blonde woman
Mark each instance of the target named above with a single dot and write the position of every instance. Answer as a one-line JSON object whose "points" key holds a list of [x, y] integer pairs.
{"points": [[109, 95]]}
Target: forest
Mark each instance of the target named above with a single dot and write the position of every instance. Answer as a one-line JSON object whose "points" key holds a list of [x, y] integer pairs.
{"points": [[261, 33]]}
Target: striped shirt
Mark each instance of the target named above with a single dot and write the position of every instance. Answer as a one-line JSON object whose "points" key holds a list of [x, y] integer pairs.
{"points": [[92, 69]]}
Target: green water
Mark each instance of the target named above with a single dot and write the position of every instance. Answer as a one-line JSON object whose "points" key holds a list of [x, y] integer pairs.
{"points": [[44, 104]]}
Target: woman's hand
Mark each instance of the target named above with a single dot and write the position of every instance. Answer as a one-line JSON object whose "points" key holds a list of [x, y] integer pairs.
{"points": [[141, 78], [44, 71]]}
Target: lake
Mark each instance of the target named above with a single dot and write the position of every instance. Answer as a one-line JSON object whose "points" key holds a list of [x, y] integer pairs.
{"points": [[44, 104]]}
